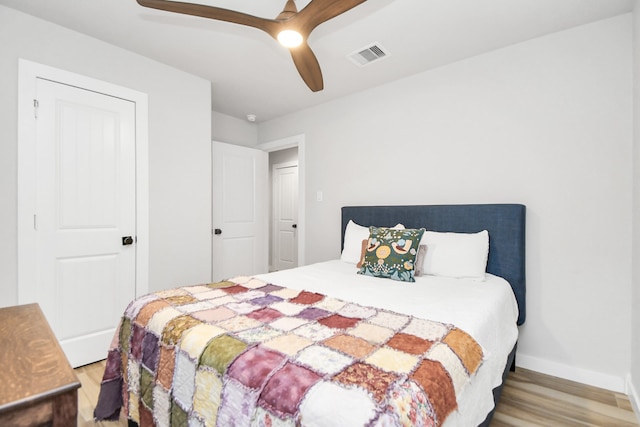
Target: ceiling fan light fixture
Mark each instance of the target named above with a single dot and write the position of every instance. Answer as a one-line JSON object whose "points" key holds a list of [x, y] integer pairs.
{"points": [[290, 38]]}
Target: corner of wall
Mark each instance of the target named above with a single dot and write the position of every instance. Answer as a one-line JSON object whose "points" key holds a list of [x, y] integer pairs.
{"points": [[634, 397], [572, 373], [633, 379]]}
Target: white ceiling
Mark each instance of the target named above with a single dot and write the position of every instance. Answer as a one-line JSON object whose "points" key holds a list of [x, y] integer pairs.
{"points": [[251, 73]]}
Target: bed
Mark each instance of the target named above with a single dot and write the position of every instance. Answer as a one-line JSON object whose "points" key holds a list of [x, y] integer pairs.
{"points": [[322, 345]]}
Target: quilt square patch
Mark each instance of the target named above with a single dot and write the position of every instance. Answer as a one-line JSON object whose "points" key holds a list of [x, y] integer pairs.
{"points": [[287, 308], [287, 323], [372, 333], [239, 404], [160, 319], [136, 342], [409, 344], [179, 416], [133, 374], [286, 388], [432, 331], [436, 383], [323, 360], [307, 298], [206, 399], [196, 339], [184, 380], [367, 377], [146, 388], [411, 405], [168, 293], [315, 331], [166, 365], [450, 361], [393, 360], [356, 347], [220, 352], [313, 313], [135, 306], [243, 307], [210, 294], [390, 320], [259, 334], [197, 306], [265, 315], [266, 300], [162, 406], [355, 310], [337, 400], [214, 314], [286, 293], [196, 289], [181, 300], [239, 323], [216, 302], [270, 288], [467, 349], [249, 295], [223, 284], [150, 352], [235, 289], [339, 322], [254, 366], [330, 304], [289, 344], [248, 282], [173, 330]]}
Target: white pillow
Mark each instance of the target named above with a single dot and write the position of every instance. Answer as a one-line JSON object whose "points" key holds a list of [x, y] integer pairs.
{"points": [[456, 254], [354, 234]]}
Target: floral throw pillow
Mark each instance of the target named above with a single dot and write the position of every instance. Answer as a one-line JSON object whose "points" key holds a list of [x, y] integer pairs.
{"points": [[391, 253]]}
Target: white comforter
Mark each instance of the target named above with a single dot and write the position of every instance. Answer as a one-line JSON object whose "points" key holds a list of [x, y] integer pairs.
{"points": [[487, 310]]}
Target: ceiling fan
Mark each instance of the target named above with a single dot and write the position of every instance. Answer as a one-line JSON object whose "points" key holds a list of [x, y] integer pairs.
{"points": [[291, 28]]}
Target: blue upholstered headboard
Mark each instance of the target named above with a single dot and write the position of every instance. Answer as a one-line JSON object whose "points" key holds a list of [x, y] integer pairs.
{"points": [[505, 223]]}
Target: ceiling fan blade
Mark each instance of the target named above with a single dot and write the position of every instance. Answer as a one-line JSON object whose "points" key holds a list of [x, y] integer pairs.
{"points": [[270, 26], [319, 11], [308, 66]]}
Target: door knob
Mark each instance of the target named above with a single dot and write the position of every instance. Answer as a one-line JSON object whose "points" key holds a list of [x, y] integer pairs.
{"points": [[127, 240], [217, 231], [294, 226]]}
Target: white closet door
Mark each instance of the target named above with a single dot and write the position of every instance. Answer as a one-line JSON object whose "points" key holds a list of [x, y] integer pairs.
{"points": [[240, 215], [85, 206], [285, 214]]}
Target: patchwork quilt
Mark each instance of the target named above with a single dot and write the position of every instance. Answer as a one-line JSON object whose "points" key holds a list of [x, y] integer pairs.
{"points": [[244, 352]]}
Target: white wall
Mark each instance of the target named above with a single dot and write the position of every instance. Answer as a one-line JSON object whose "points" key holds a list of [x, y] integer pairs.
{"points": [[635, 326], [225, 128], [546, 123], [179, 145]]}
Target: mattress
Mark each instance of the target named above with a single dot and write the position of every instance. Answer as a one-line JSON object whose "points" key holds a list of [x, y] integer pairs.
{"points": [[487, 310]]}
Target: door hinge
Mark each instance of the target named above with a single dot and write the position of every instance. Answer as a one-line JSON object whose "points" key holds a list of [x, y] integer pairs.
{"points": [[35, 222], [36, 105]]}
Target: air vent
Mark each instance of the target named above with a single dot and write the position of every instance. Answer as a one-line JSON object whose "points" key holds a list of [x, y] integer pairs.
{"points": [[368, 54]]}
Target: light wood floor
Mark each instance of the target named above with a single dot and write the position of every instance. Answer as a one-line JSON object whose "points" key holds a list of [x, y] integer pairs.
{"points": [[528, 399]]}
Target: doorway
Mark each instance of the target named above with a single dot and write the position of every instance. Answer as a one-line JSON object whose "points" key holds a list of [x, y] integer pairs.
{"points": [[283, 176], [274, 146]]}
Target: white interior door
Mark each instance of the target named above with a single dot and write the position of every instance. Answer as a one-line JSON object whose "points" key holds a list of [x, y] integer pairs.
{"points": [[240, 213], [285, 215], [85, 204]]}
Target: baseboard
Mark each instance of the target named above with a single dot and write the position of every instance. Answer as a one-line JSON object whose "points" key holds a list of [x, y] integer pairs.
{"points": [[634, 397], [584, 376]]}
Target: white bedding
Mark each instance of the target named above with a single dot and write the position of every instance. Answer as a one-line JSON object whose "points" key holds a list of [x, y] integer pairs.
{"points": [[487, 310]]}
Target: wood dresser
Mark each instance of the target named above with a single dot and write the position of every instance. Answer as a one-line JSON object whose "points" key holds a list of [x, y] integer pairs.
{"points": [[37, 385]]}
